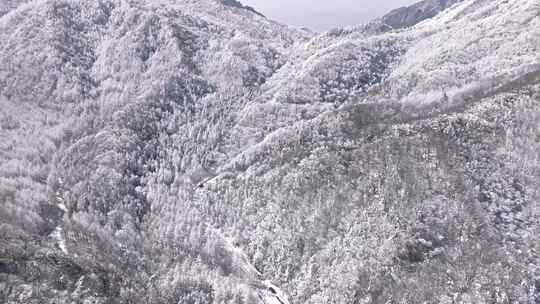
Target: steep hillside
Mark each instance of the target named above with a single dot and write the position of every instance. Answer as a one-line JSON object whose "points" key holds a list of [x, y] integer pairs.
{"points": [[196, 152]]}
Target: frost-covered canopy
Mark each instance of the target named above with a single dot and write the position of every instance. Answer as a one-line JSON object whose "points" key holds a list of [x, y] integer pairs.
{"points": [[197, 152]]}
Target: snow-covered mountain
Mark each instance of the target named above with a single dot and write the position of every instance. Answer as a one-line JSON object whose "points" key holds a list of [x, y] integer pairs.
{"points": [[196, 152], [237, 4], [411, 15]]}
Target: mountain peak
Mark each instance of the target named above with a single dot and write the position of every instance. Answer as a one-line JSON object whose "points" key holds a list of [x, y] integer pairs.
{"points": [[408, 16], [238, 4]]}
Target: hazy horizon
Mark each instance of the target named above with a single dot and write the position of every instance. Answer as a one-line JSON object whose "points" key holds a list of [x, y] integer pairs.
{"points": [[323, 15]]}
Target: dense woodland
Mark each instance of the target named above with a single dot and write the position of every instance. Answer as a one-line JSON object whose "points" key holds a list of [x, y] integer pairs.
{"points": [[193, 151]]}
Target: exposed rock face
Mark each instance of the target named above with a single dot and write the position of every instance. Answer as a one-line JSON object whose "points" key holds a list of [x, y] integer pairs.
{"points": [[411, 15], [194, 152]]}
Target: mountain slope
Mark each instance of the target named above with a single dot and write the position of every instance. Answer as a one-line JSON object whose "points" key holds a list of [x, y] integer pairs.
{"points": [[408, 16], [197, 152], [237, 4], [8, 5]]}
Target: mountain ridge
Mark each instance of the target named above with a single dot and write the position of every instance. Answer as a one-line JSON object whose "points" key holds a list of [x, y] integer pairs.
{"points": [[411, 15]]}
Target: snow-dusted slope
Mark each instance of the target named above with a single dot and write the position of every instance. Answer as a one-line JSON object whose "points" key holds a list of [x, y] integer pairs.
{"points": [[411, 15], [197, 152], [472, 51], [8, 5]]}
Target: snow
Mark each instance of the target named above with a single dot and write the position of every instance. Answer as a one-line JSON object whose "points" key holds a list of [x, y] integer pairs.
{"points": [[274, 294], [62, 205], [269, 299], [474, 42], [58, 236], [256, 147]]}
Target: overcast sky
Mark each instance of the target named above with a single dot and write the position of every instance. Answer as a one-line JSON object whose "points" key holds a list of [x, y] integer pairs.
{"points": [[324, 14]]}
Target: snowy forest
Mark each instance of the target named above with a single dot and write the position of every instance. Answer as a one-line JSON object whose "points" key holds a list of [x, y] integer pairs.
{"points": [[197, 152]]}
